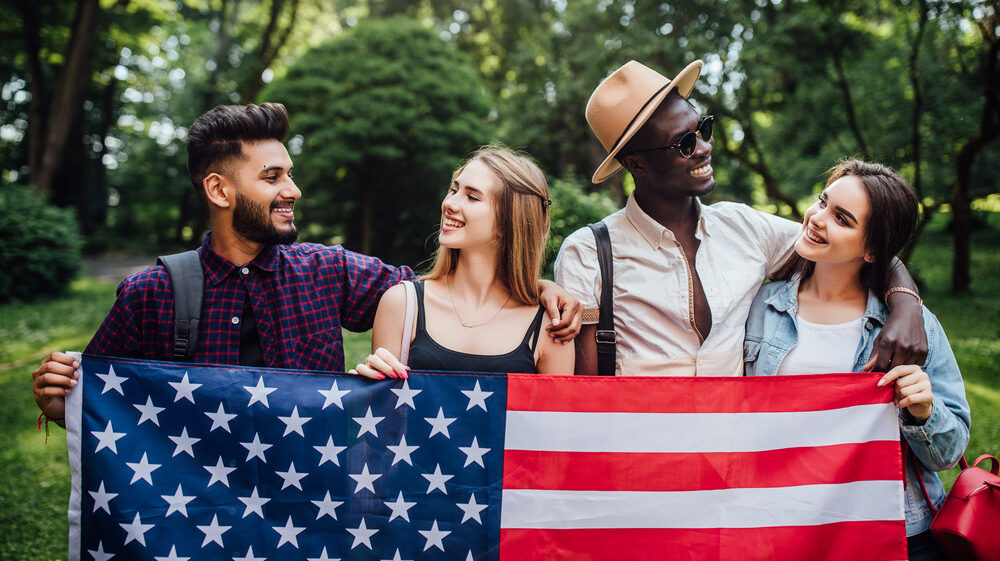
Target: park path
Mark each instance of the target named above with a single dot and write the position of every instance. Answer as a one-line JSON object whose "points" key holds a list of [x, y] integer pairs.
{"points": [[114, 268]]}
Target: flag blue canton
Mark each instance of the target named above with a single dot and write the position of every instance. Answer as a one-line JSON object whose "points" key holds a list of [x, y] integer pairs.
{"points": [[181, 461]]}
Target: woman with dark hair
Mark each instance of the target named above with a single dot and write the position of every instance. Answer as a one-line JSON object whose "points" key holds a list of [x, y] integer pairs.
{"points": [[826, 307], [478, 310]]}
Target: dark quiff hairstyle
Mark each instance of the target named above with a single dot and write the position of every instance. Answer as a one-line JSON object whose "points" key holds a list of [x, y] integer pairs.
{"points": [[893, 210], [216, 138]]}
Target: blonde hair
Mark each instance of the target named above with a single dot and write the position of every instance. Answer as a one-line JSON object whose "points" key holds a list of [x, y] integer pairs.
{"points": [[522, 216]]}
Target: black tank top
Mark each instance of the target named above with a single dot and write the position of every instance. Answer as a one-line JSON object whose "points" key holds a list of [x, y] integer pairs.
{"points": [[427, 354]]}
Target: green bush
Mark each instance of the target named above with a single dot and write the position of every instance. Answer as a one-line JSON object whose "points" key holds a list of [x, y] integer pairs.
{"points": [[573, 208], [39, 245]]}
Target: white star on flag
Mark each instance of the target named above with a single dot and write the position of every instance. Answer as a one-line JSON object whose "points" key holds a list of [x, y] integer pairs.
{"points": [[323, 557], [249, 556], [294, 422], [436, 480], [220, 419], [259, 393], [185, 389], [288, 533], [149, 412], [100, 554], [254, 503], [107, 438], [402, 451], [136, 530], [395, 557], [178, 502], [255, 449], [333, 396], [327, 507], [434, 537], [472, 509], [362, 535], [400, 508], [101, 499], [143, 470], [329, 451], [404, 395], [477, 397], [112, 381], [291, 477], [219, 473], [473, 453], [364, 479], [173, 556], [440, 423], [184, 443], [368, 423], [213, 532]]}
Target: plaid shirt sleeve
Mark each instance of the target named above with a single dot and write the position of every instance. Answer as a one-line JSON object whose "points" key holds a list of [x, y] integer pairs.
{"points": [[366, 279], [137, 310]]}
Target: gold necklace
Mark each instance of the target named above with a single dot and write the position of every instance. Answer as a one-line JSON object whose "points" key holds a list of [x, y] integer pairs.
{"points": [[468, 324]]}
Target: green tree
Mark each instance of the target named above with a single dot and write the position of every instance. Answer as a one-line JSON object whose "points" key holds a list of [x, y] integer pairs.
{"points": [[381, 115]]}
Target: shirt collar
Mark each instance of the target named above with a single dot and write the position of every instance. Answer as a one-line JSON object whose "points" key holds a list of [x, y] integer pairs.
{"points": [[652, 231], [218, 267]]}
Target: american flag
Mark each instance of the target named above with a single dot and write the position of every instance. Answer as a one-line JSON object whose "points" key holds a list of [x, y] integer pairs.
{"points": [[177, 461]]}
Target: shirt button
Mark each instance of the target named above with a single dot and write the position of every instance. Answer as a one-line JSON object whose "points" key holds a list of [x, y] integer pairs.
{"points": [[245, 270], [236, 320]]}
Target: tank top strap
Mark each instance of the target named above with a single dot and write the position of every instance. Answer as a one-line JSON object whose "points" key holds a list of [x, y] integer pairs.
{"points": [[531, 337], [418, 287]]}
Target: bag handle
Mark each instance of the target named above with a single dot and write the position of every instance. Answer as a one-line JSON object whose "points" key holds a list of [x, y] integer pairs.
{"points": [[996, 463], [411, 299]]}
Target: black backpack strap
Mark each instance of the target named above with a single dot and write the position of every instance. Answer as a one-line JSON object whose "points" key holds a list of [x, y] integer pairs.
{"points": [[606, 338], [188, 282]]}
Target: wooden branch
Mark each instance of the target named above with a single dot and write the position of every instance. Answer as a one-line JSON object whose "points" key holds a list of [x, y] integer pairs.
{"points": [[845, 89]]}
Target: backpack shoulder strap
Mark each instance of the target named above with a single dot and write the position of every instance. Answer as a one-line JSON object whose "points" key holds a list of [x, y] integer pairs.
{"points": [[606, 339], [188, 282]]}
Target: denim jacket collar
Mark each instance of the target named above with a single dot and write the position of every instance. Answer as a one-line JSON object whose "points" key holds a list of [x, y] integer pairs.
{"points": [[786, 300]]}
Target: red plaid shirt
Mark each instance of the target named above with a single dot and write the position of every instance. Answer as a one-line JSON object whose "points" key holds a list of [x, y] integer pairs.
{"points": [[302, 295]]}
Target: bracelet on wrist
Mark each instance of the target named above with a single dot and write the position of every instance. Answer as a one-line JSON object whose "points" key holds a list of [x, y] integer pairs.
{"points": [[904, 290]]}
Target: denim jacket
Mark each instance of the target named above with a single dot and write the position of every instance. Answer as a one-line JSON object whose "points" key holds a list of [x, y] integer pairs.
{"points": [[938, 443]]}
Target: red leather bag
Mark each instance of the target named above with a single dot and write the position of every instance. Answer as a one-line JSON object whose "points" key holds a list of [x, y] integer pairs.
{"points": [[967, 526]]}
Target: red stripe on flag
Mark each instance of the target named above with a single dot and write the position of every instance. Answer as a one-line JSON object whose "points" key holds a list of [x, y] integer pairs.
{"points": [[583, 471], [856, 541], [536, 392]]}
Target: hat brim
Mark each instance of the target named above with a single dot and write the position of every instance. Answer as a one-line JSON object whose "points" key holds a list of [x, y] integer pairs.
{"points": [[684, 83]]}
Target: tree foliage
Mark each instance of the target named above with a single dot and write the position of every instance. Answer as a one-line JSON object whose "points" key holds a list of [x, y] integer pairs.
{"points": [[384, 113]]}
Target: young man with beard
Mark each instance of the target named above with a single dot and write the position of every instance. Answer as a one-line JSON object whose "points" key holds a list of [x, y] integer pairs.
{"points": [[266, 301], [686, 273]]}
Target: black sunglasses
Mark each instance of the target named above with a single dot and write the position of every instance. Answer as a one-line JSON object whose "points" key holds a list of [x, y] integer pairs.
{"points": [[689, 141]]}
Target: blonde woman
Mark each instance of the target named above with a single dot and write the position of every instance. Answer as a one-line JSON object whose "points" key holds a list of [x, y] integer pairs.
{"points": [[478, 310]]}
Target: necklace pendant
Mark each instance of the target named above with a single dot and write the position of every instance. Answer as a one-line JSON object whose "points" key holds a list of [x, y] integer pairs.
{"points": [[469, 325]]}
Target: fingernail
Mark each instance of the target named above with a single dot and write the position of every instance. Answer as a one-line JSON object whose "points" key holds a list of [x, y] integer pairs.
{"points": [[881, 382], [72, 382], [381, 376], [405, 376]]}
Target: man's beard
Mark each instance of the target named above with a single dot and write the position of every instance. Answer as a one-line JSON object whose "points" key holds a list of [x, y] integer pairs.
{"points": [[253, 222]]}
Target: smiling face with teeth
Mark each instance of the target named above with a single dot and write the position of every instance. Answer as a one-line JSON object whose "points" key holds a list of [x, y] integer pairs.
{"points": [[833, 228], [264, 193], [468, 219], [665, 172]]}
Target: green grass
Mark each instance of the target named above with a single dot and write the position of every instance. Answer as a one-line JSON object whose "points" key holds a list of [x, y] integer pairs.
{"points": [[34, 477]]}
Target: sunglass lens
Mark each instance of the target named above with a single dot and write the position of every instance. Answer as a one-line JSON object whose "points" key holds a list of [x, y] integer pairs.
{"points": [[688, 144], [706, 128]]}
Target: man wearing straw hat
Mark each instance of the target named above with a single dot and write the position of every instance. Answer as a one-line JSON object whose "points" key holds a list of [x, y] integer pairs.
{"points": [[685, 273]]}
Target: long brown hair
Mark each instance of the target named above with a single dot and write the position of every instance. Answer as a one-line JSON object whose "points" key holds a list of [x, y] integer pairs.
{"points": [[892, 215], [522, 215]]}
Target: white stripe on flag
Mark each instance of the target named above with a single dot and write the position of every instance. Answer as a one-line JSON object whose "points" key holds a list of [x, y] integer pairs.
{"points": [[805, 505], [697, 432]]}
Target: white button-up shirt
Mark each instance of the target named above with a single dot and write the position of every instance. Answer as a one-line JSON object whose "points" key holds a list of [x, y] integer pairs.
{"points": [[739, 248]]}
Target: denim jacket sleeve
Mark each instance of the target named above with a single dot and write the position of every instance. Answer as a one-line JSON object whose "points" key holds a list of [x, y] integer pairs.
{"points": [[941, 440]]}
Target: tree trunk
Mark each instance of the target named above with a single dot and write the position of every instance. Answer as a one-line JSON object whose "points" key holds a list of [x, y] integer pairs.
{"points": [[268, 50], [989, 130], [845, 89], [36, 85], [67, 103]]}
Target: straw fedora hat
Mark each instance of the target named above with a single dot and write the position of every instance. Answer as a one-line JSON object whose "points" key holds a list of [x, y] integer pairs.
{"points": [[625, 100]]}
